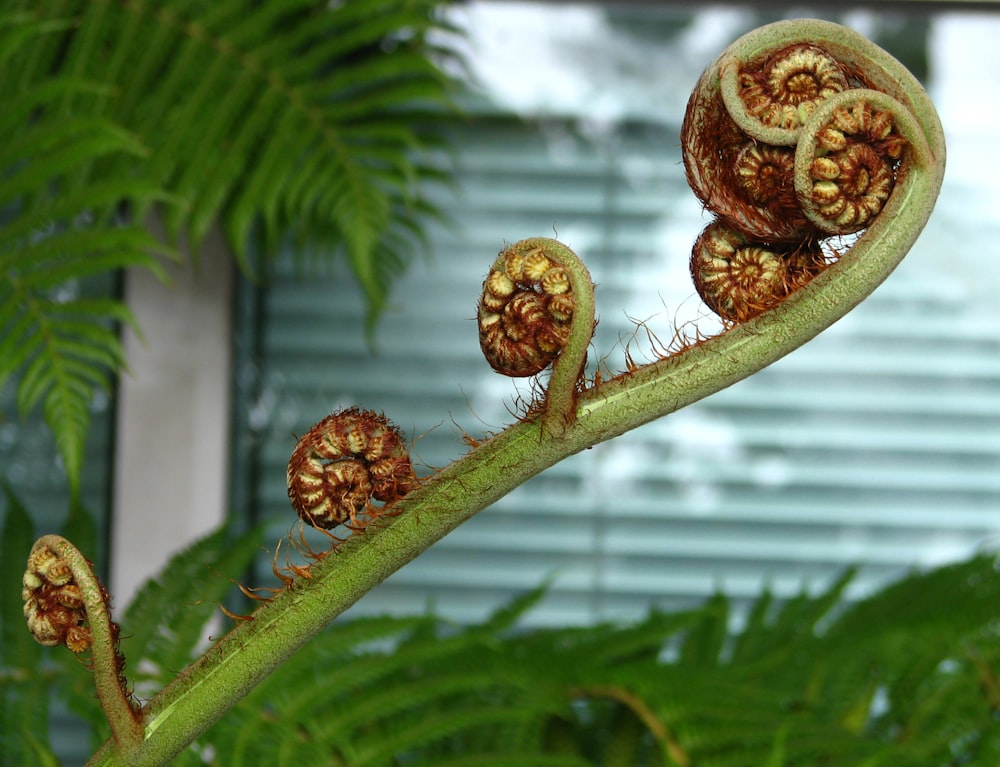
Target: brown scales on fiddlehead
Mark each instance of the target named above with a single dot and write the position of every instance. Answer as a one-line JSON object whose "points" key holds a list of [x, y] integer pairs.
{"points": [[788, 143], [53, 603], [738, 278], [342, 464], [66, 604], [525, 312]]}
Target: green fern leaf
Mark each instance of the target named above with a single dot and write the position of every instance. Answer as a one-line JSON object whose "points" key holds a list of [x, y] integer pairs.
{"points": [[365, 674], [396, 698], [800, 693], [766, 639], [753, 640], [66, 352], [337, 649], [54, 148], [429, 730], [302, 118], [58, 231], [505, 616]]}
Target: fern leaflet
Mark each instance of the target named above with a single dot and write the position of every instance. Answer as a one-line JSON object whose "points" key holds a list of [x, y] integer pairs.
{"points": [[303, 119]]}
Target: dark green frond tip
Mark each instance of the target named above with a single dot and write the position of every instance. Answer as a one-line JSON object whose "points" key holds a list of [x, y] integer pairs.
{"points": [[302, 121], [60, 345], [60, 226], [63, 350]]}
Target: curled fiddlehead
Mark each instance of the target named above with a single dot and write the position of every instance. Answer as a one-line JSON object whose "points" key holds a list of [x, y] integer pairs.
{"points": [[66, 604], [738, 278], [536, 310], [344, 462], [799, 131]]}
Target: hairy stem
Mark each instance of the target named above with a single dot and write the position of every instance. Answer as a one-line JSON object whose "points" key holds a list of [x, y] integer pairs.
{"points": [[215, 682], [253, 649], [560, 398]]}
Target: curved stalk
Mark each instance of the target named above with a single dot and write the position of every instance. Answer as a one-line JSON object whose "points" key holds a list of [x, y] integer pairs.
{"points": [[657, 727], [121, 714], [560, 397], [215, 682], [253, 649]]}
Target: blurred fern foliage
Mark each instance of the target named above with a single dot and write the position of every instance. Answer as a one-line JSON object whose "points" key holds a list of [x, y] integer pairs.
{"points": [[282, 121], [908, 677]]}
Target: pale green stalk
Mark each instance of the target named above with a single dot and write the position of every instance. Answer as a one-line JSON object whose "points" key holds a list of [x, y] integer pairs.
{"points": [[214, 683]]}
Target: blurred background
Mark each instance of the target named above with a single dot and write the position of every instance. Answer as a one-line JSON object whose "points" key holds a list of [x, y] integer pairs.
{"points": [[877, 444]]}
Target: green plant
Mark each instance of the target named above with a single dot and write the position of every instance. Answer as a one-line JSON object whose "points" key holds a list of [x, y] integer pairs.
{"points": [[860, 144], [275, 121], [909, 675]]}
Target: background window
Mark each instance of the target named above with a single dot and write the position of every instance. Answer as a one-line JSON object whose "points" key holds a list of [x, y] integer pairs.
{"points": [[876, 444]]}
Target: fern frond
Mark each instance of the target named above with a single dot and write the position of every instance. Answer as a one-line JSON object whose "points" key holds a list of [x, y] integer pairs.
{"points": [[367, 674], [398, 697], [303, 119], [65, 348], [766, 638], [432, 729], [815, 683], [505, 616], [512, 759], [56, 231], [337, 649]]}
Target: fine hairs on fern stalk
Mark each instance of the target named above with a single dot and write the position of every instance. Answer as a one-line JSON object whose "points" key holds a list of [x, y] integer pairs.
{"points": [[789, 142], [865, 153], [344, 462]]}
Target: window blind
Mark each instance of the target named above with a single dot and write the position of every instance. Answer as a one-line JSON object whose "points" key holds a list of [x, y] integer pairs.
{"points": [[877, 444]]}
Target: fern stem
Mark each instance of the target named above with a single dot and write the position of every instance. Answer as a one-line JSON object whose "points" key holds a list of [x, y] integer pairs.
{"points": [[560, 397], [214, 683], [675, 753], [253, 649]]}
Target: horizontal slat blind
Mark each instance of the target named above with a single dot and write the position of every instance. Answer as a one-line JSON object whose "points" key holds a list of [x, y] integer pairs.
{"points": [[876, 444]]}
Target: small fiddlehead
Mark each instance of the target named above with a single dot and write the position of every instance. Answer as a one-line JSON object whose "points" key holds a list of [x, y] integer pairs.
{"points": [[798, 132], [536, 310], [343, 463], [738, 278], [66, 604]]}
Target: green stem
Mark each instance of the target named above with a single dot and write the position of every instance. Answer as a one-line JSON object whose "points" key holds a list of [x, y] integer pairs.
{"points": [[567, 371], [215, 682], [126, 731], [672, 748]]}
